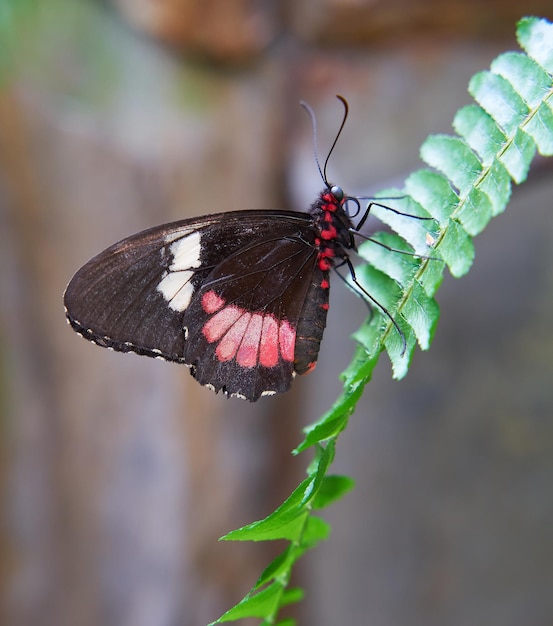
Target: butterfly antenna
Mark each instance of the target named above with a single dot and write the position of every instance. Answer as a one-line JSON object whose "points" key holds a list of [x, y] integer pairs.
{"points": [[346, 111], [311, 113]]}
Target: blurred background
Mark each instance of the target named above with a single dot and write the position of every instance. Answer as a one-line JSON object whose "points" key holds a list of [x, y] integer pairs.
{"points": [[119, 473]]}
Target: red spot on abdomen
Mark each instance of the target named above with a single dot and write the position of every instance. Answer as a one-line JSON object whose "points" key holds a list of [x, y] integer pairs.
{"points": [[324, 256], [329, 233]]}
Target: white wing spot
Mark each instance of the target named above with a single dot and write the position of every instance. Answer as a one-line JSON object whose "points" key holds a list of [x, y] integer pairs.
{"points": [[177, 289], [268, 393], [186, 252], [175, 286]]}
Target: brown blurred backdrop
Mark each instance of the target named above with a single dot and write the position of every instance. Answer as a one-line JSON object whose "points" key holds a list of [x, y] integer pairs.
{"points": [[119, 473]]}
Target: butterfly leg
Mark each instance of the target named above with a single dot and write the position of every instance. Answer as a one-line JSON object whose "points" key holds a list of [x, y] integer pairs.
{"points": [[387, 208]]}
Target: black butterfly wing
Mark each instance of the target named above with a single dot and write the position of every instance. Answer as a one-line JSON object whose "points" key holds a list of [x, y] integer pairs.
{"points": [[150, 294], [241, 326]]}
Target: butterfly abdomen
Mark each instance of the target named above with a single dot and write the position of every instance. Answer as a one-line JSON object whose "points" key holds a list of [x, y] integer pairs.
{"points": [[312, 323]]}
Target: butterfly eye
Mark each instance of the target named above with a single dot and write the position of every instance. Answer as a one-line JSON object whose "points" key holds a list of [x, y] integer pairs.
{"points": [[337, 192]]}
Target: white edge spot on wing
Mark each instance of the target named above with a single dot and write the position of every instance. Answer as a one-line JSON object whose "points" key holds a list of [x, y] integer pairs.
{"points": [[268, 393]]}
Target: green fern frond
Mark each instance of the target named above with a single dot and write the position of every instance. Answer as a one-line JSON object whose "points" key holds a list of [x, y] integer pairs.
{"points": [[469, 183]]}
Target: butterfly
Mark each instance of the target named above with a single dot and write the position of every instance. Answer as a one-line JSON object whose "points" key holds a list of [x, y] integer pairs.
{"points": [[241, 297]]}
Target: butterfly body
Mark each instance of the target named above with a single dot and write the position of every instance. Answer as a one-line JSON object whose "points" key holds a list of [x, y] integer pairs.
{"points": [[239, 297]]}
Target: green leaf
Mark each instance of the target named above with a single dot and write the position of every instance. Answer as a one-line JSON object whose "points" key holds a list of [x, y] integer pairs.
{"points": [[413, 231], [280, 566], [456, 249], [288, 525], [330, 425], [480, 132], [318, 468], [453, 157], [369, 336], [535, 36], [540, 128], [474, 211], [400, 353], [518, 155], [286, 522], [434, 192], [383, 289], [496, 184], [316, 530], [333, 422], [332, 489], [260, 604], [421, 313], [497, 96], [291, 596], [400, 267], [432, 275], [529, 80]]}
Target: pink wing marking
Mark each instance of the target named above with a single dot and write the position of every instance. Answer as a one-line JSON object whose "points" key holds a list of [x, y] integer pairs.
{"points": [[250, 338], [218, 325], [287, 340], [268, 348], [230, 343], [249, 348], [212, 302]]}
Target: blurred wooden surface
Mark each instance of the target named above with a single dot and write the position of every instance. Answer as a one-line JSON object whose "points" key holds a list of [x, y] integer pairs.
{"points": [[118, 473]]}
